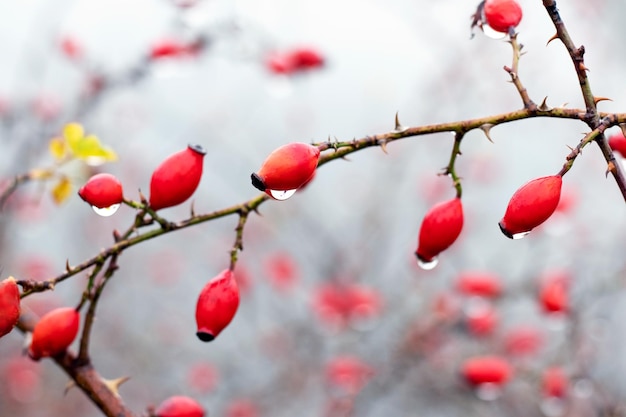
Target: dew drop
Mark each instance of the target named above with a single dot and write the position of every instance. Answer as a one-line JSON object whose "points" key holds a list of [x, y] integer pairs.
{"points": [[488, 391], [518, 236], [491, 33], [106, 211], [427, 265], [552, 407], [281, 195]]}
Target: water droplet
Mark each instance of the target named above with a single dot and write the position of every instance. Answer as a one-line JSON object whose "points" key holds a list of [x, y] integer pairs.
{"points": [[552, 407], [518, 236], [491, 33], [488, 391], [106, 211], [583, 388], [427, 265], [281, 194]]}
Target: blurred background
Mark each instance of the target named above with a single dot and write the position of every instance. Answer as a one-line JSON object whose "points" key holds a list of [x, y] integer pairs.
{"points": [[336, 318]]}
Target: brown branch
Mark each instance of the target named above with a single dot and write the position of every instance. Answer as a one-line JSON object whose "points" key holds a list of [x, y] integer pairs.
{"points": [[513, 72], [593, 118]]}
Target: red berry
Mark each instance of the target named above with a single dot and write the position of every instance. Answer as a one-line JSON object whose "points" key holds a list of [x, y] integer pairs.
{"points": [[306, 58], [554, 382], [168, 48], [441, 226], [523, 341], [9, 305], [553, 294], [102, 191], [54, 332], [179, 406], [617, 142], [217, 305], [531, 205], [486, 370], [71, 47], [502, 15], [177, 178], [287, 168], [481, 284], [482, 319], [348, 373]]}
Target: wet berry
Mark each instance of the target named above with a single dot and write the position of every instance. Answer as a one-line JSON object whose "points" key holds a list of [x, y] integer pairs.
{"points": [[177, 178], [54, 332], [531, 205], [217, 305], [287, 168], [9, 305], [102, 191], [440, 228]]}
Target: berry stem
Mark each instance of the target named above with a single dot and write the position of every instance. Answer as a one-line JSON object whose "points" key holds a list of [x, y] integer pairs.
{"points": [[513, 72]]}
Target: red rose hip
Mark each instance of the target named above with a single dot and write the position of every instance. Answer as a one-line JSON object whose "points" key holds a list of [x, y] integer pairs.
{"points": [[502, 15], [102, 191], [9, 305], [179, 406], [177, 178], [286, 169], [54, 332], [440, 228], [486, 370], [217, 305], [531, 205]]}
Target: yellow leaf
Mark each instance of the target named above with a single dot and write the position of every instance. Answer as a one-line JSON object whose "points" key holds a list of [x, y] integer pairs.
{"points": [[62, 190], [92, 151], [73, 133], [58, 148]]}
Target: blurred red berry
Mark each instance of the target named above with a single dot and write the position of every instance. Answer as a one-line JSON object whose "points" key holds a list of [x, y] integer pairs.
{"points": [[477, 283], [217, 304], [9, 305], [486, 370], [531, 205], [617, 142], [54, 333], [179, 406], [176, 178], [523, 340], [482, 319], [242, 408], [348, 373], [71, 48], [554, 293], [294, 60], [169, 48], [440, 228], [102, 191], [554, 382]]}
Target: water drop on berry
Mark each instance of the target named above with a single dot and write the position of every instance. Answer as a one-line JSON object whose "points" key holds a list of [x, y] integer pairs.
{"points": [[427, 265], [281, 195], [106, 211], [488, 391], [552, 407], [518, 236], [491, 33]]}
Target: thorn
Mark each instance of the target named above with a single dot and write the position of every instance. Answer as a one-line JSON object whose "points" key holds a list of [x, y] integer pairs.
{"points": [[399, 128], [116, 235], [610, 168], [544, 105], [114, 384], [68, 268], [582, 67], [596, 100], [555, 36], [70, 384], [142, 198], [192, 210], [383, 146], [486, 128]]}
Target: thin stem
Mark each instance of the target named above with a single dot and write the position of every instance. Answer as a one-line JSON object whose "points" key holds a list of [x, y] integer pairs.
{"points": [[513, 72], [450, 169]]}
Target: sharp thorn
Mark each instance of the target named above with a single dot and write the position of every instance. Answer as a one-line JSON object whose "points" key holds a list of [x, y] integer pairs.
{"points": [[486, 128], [596, 100], [68, 268], [544, 104], [555, 36]]}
